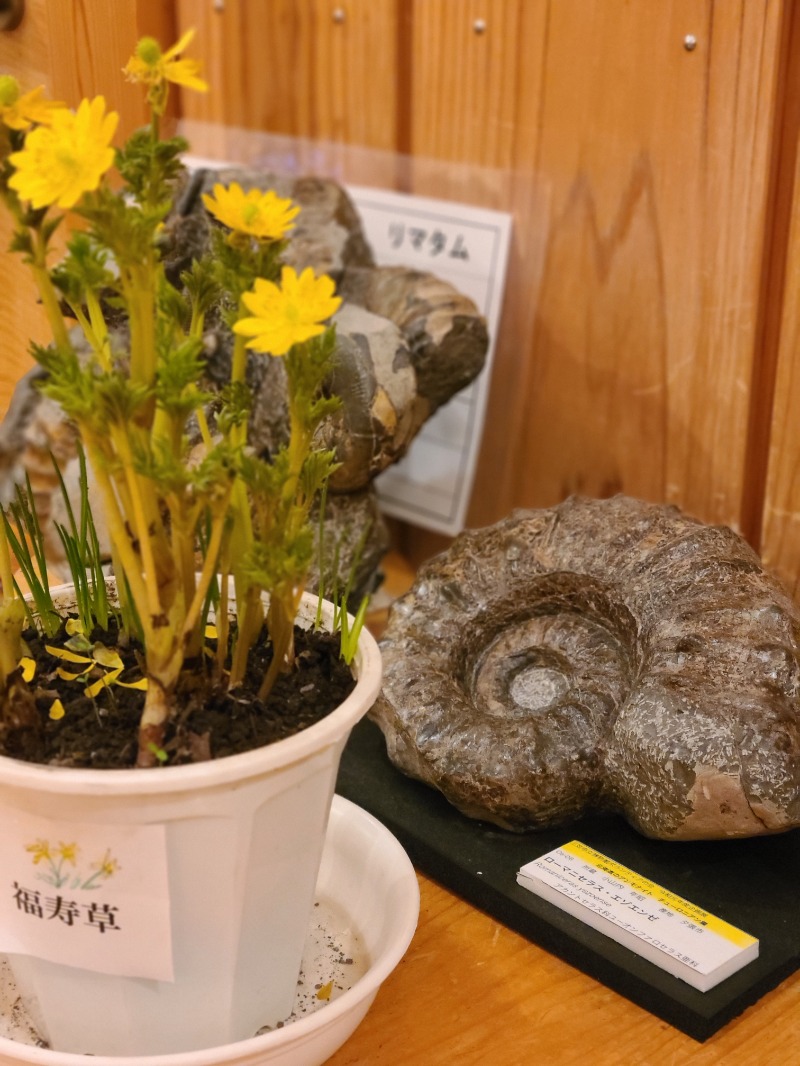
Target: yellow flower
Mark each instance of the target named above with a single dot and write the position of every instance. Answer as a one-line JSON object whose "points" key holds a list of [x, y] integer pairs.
{"points": [[60, 162], [19, 112], [40, 850], [56, 712], [287, 315], [150, 66], [108, 865], [68, 852], [263, 215]]}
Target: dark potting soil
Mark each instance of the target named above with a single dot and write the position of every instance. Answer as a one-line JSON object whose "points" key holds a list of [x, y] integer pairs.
{"points": [[101, 731]]}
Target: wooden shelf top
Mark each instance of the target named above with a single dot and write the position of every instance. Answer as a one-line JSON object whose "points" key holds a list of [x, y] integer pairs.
{"points": [[470, 991]]}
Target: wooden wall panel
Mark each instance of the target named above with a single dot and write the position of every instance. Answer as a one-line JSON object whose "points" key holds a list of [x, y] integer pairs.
{"points": [[781, 517], [630, 324], [75, 48], [90, 42], [23, 53], [778, 422], [295, 67]]}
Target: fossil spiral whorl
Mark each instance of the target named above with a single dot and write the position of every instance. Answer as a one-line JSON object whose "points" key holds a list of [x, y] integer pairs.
{"points": [[600, 655]]}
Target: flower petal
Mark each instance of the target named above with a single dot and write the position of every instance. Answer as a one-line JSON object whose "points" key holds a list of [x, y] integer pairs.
{"points": [[182, 44], [103, 682], [66, 655], [56, 712]]}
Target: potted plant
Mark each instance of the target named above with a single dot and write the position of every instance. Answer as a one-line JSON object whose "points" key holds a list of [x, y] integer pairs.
{"points": [[153, 907]]}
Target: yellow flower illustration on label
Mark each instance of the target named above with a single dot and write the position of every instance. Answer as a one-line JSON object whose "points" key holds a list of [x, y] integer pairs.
{"points": [[40, 850], [108, 865], [59, 865]]}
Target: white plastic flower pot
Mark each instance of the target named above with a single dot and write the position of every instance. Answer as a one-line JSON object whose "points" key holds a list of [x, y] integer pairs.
{"points": [[243, 835], [369, 889]]}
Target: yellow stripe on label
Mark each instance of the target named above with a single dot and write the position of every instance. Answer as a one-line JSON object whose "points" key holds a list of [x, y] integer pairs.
{"points": [[660, 895]]}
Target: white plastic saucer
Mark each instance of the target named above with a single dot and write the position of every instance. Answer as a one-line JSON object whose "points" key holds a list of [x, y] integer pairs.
{"points": [[366, 913]]}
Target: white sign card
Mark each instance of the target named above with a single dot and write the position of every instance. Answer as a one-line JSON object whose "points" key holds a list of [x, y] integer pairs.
{"points": [[91, 896], [678, 936], [468, 247]]}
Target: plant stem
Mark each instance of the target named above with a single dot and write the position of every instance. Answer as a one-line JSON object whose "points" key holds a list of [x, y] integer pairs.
{"points": [[204, 581], [47, 292], [151, 726], [6, 567], [222, 622], [100, 330], [249, 611], [280, 621], [129, 562], [202, 425], [140, 298], [142, 521]]}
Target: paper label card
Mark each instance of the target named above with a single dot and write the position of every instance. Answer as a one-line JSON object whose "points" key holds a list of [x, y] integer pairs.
{"points": [[676, 935], [92, 896], [468, 247]]}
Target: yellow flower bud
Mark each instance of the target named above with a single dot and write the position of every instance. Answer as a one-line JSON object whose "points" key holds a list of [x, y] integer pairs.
{"points": [[149, 51], [9, 90]]}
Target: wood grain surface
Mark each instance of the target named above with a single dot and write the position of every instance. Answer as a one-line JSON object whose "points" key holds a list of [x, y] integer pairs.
{"points": [[776, 418], [24, 53], [630, 319], [291, 66], [470, 991], [76, 49], [632, 353]]}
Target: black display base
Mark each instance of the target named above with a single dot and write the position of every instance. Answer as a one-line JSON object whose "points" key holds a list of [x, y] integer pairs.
{"points": [[753, 884]]}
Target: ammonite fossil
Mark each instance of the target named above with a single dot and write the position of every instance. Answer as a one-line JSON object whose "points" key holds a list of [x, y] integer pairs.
{"points": [[602, 655]]}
